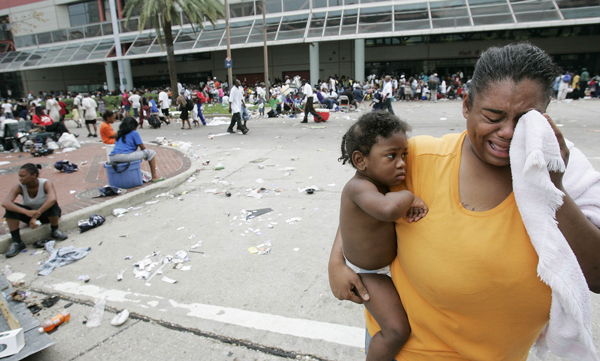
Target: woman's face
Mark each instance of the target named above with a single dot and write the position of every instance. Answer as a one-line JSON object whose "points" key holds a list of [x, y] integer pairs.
{"points": [[25, 177], [492, 118]]}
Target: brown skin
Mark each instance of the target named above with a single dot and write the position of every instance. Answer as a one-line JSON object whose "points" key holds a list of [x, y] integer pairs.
{"points": [[485, 179], [31, 182]]}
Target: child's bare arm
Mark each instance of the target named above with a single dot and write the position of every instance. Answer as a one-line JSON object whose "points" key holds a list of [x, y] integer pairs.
{"points": [[387, 208]]}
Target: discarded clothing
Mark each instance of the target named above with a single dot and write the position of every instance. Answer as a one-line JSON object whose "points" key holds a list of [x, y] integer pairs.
{"points": [[61, 257], [65, 166], [94, 221]]}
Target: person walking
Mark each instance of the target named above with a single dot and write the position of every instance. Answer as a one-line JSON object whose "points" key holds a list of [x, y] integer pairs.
{"points": [[433, 81], [89, 105], [309, 108], [77, 104], [235, 108], [387, 93]]}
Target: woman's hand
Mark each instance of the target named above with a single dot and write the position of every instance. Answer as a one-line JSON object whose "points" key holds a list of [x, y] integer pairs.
{"points": [[557, 177], [347, 285]]}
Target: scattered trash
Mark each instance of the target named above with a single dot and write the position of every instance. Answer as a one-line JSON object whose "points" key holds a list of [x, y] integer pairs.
{"points": [[168, 280], [310, 190], [120, 274], [293, 220], [84, 278], [228, 193], [72, 192], [331, 185], [249, 214], [219, 166], [109, 191], [180, 228], [191, 179], [314, 189], [94, 319], [128, 257], [7, 270], [192, 236], [152, 202], [50, 301], [41, 243], [55, 321], [117, 212], [259, 180], [94, 221], [120, 318], [296, 249], [262, 249]]}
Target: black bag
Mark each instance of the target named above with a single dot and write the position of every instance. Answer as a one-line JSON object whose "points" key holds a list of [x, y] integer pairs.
{"points": [[154, 121], [271, 114], [189, 105]]}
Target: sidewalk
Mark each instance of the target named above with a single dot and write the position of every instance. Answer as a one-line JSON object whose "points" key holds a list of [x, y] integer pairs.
{"points": [[75, 190]]}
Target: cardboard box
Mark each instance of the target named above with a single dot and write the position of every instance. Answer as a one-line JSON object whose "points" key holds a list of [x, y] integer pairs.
{"points": [[11, 342]]}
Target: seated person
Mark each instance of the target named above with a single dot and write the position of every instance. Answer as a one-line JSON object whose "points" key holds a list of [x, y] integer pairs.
{"points": [[39, 203], [289, 105], [349, 93], [358, 94], [126, 145], [107, 133], [275, 104], [41, 120], [323, 99]]}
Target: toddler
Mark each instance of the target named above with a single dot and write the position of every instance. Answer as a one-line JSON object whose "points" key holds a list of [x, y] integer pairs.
{"points": [[376, 145]]}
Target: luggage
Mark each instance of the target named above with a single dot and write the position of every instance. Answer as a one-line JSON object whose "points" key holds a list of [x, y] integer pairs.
{"points": [[154, 121]]}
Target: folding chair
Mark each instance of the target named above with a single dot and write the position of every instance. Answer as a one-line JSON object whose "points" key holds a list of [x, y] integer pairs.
{"points": [[344, 102]]}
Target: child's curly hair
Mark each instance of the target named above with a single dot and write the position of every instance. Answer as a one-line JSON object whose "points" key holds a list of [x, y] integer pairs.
{"points": [[363, 134]]}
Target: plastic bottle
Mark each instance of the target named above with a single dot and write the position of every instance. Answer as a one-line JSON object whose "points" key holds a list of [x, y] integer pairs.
{"points": [[55, 321]]}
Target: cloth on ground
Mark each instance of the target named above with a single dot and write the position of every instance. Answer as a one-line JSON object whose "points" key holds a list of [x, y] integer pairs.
{"points": [[61, 257], [94, 221], [65, 166], [534, 152]]}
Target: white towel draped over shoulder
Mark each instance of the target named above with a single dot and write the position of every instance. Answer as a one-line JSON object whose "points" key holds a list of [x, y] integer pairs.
{"points": [[534, 151]]}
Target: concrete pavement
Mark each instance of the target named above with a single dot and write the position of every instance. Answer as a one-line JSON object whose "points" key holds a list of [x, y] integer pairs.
{"points": [[280, 301]]}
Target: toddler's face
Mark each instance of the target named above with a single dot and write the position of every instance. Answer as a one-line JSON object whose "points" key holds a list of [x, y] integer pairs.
{"points": [[386, 164]]}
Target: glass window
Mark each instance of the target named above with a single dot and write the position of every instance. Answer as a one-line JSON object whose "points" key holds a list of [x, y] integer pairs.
{"points": [[211, 36], [44, 38], [490, 10], [241, 9], [332, 26], [319, 4], [591, 12], [186, 39], [350, 2], [19, 60], [238, 32], [50, 55], [370, 1], [292, 27], [102, 50], [291, 5], [566, 4], [317, 21], [411, 17], [336, 2], [107, 29], [35, 57], [83, 52], [273, 6], [66, 54], [537, 16], [493, 19], [84, 13], [92, 31], [486, 2], [349, 21], [256, 34], [376, 19], [528, 5], [155, 47], [25, 40], [75, 33], [59, 35], [142, 44]]}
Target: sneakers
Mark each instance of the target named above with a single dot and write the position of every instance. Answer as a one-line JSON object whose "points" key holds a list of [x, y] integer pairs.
{"points": [[230, 131], [14, 249], [95, 135], [58, 235], [90, 135]]}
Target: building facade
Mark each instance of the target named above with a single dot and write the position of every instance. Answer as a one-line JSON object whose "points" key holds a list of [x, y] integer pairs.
{"points": [[70, 44]]}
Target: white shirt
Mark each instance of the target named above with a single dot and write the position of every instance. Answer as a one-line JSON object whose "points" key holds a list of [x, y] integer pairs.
{"points": [[308, 91], [163, 99], [135, 100], [387, 89], [76, 101], [236, 100], [225, 100], [7, 107], [90, 108]]}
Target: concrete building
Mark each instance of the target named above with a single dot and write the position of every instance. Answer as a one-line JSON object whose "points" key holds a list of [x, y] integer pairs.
{"points": [[70, 44]]}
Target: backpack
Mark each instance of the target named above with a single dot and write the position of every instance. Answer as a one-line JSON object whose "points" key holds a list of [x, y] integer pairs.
{"points": [[189, 105], [154, 121]]}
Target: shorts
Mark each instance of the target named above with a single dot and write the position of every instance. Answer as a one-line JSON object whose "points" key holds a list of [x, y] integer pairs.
{"points": [[90, 121], [53, 211], [127, 107], [165, 112], [382, 271], [147, 154]]}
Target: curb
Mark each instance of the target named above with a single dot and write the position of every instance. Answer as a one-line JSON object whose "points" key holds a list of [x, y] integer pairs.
{"points": [[69, 221]]}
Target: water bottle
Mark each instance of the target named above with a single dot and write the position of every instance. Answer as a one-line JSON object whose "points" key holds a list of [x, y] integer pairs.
{"points": [[55, 321]]}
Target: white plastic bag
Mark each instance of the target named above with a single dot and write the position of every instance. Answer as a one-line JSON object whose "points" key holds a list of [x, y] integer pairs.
{"points": [[68, 140], [52, 145], [95, 317], [146, 176]]}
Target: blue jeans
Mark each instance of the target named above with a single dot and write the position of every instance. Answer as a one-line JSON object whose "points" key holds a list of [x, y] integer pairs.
{"points": [[199, 106], [329, 103]]}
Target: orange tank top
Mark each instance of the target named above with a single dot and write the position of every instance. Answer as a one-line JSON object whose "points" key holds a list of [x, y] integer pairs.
{"points": [[467, 280]]}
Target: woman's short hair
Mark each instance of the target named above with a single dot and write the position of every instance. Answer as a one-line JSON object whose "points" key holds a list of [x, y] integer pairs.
{"points": [[363, 134], [32, 168], [128, 125], [515, 62]]}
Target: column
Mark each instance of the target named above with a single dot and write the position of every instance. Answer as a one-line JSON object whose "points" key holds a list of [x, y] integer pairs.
{"points": [[314, 62], [110, 75], [128, 74], [359, 60]]}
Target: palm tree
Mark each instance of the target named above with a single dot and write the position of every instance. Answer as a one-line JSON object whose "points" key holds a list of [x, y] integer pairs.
{"points": [[163, 13]]}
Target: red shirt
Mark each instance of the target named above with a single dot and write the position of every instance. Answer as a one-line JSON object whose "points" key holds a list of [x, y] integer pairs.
{"points": [[44, 121], [63, 108], [125, 99]]}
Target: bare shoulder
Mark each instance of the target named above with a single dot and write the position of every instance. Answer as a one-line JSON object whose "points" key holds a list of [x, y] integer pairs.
{"points": [[357, 185]]}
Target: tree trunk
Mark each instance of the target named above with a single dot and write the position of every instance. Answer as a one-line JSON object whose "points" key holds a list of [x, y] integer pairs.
{"points": [[171, 59]]}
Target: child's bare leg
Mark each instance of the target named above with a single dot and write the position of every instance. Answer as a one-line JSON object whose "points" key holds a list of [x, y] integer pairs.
{"points": [[387, 309]]}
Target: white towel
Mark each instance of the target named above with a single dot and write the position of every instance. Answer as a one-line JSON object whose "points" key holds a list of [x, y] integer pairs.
{"points": [[534, 151]]}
